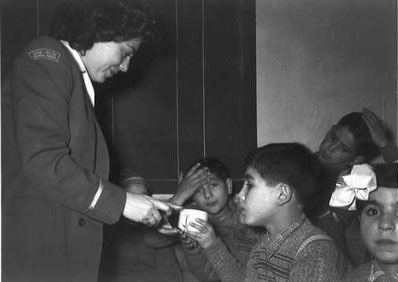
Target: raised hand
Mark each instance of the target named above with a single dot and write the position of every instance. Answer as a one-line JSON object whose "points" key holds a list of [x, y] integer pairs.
{"points": [[376, 127], [195, 179]]}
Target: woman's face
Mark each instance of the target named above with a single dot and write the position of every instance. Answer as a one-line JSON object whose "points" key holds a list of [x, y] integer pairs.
{"points": [[379, 225], [106, 59]]}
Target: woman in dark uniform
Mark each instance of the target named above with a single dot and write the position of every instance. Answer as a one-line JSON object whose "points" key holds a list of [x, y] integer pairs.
{"points": [[60, 195]]}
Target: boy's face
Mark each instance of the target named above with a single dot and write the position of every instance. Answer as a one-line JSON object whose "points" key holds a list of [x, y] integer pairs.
{"points": [[215, 198], [379, 224], [338, 147], [258, 200]]}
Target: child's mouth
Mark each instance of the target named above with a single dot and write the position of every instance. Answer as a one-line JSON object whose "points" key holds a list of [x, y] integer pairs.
{"points": [[211, 204], [385, 242]]}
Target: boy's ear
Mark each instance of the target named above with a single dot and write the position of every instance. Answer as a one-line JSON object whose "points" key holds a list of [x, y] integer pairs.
{"points": [[285, 194], [229, 185]]}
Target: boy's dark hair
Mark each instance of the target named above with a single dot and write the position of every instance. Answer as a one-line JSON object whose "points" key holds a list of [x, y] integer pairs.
{"points": [[215, 166], [85, 22], [289, 163], [386, 176], [364, 145]]}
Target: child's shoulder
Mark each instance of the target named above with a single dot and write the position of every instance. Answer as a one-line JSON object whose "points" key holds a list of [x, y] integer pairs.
{"points": [[309, 238], [308, 229]]}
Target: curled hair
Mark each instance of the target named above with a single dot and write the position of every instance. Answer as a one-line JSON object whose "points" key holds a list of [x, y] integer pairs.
{"points": [[364, 145], [289, 163], [85, 22]]}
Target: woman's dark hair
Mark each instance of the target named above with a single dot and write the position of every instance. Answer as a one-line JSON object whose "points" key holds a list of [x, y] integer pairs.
{"points": [[364, 145], [386, 176], [289, 163], [85, 22]]}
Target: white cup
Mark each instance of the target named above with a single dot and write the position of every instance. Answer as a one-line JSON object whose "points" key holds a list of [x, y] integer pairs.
{"points": [[190, 215]]}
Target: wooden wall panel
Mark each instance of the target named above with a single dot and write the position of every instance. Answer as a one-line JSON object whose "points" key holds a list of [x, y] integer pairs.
{"points": [[190, 81], [230, 81]]}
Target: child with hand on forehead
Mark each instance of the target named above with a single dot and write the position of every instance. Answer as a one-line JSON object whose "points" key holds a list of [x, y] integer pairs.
{"points": [[212, 194], [279, 179], [377, 208]]}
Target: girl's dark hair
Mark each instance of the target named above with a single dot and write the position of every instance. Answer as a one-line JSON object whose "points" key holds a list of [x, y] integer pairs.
{"points": [[85, 22], [386, 176], [289, 163]]}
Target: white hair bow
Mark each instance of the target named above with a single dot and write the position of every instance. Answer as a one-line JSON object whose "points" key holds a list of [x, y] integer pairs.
{"points": [[357, 185]]}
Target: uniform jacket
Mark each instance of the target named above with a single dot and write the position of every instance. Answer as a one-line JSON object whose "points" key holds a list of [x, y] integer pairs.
{"points": [[57, 162]]}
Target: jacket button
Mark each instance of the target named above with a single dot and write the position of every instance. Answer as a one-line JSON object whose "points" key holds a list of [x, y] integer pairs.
{"points": [[82, 222]]}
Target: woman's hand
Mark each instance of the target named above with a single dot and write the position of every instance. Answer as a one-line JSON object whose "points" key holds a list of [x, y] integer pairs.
{"points": [[144, 209], [204, 235]]}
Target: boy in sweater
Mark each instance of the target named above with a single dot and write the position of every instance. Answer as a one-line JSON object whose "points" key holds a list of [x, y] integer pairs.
{"points": [[279, 178], [213, 195]]}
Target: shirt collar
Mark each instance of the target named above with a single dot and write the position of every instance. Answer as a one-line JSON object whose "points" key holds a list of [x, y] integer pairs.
{"points": [[376, 272], [275, 241], [83, 70]]}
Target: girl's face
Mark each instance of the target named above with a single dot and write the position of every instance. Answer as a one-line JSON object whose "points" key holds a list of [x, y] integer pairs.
{"points": [[215, 198], [258, 200], [106, 59], [379, 224]]}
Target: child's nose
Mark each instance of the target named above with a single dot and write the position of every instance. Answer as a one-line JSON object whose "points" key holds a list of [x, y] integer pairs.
{"points": [[242, 194], [387, 222]]}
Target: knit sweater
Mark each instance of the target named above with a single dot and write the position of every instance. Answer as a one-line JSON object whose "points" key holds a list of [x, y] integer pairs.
{"points": [[278, 258], [369, 272], [237, 238], [343, 227]]}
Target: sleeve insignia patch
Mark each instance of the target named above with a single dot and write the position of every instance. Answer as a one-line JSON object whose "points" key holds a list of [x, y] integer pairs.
{"points": [[44, 54]]}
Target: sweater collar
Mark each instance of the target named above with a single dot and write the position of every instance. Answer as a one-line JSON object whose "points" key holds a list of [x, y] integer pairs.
{"points": [[377, 274]]}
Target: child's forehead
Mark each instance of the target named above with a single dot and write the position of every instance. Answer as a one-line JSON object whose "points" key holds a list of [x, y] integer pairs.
{"points": [[213, 176], [251, 173], [384, 195]]}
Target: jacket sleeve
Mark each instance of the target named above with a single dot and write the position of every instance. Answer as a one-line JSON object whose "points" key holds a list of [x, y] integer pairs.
{"points": [[41, 90]]}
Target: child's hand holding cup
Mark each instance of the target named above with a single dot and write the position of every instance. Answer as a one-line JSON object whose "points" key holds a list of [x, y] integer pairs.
{"points": [[190, 215]]}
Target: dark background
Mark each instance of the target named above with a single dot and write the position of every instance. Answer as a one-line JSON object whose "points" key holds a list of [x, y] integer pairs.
{"points": [[193, 94]]}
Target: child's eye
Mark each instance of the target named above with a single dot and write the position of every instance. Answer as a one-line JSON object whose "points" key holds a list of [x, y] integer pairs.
{"points": [[371, 211]]}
